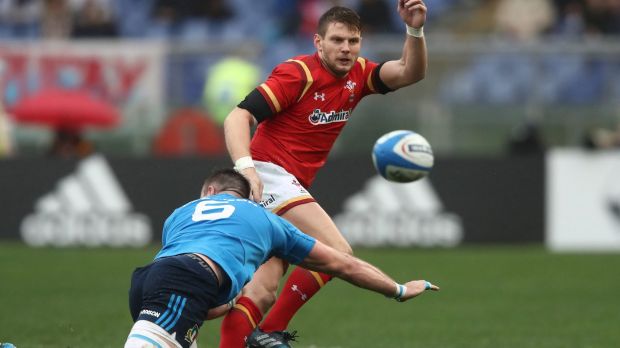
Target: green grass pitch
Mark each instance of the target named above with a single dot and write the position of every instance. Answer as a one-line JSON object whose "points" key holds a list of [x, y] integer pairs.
{"points": [[492, 296]]}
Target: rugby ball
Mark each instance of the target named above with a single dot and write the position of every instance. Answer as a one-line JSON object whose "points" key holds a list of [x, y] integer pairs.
{"points": [[402, 156]]}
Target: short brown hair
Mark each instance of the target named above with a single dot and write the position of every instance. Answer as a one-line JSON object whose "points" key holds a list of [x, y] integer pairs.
{"points": [[339, 14], [229, 180]]}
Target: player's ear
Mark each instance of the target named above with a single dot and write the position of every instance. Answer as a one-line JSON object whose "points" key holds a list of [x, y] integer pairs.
{"points": [[207, 191], [211, 190], [318, 42]]}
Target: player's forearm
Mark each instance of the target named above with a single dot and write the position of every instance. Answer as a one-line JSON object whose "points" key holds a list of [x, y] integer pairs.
{"points": [[414, 59], [410, 68], [237, 133], [367, 276], [323, 258]]}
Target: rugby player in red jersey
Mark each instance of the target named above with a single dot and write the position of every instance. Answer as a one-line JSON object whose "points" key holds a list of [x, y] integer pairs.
{"points": [[300, 110]]}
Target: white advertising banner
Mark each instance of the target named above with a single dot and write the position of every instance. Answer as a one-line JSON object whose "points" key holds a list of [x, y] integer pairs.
{"points": [[583, 200]]}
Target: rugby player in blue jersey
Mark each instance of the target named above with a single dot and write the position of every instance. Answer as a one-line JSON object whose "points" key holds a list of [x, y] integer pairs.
{"points": [[212, 247]]}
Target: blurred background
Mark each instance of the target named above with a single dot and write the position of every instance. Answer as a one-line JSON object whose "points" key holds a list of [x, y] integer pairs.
{"points": [[111, 116], [505, 76], [107, 104]]}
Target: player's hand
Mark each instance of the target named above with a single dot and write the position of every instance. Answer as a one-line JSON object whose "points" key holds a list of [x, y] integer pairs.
{"points": [[416, 287], [413, 12], [256, 185]]}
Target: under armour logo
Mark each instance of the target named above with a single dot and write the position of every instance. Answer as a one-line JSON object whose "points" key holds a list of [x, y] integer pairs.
{"points": [[296, 289], [318, 96]]}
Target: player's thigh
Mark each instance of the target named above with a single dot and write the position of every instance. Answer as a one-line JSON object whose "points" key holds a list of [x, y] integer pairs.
{"points": [[313, 220], [136, 290], [177, 294], [264, 284]]}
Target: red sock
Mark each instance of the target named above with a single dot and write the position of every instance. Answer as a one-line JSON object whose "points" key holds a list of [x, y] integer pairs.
{"points": [[300, 286], [239, 323]]}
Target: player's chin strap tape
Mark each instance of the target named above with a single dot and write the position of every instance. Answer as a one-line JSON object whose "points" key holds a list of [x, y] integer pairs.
{"points": [[244, 163]]}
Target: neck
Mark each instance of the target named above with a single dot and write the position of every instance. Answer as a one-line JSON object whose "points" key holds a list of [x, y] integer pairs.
{"points": [[232, 192]]}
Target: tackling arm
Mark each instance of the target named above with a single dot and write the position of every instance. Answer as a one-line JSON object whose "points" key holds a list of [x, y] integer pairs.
{"points": [[325, 259]]}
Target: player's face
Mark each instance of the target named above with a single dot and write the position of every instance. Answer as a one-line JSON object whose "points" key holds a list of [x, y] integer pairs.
{"points": [[339, 48]]}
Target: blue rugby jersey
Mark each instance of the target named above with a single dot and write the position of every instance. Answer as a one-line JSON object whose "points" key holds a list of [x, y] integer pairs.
{"points": [[237, 234]]}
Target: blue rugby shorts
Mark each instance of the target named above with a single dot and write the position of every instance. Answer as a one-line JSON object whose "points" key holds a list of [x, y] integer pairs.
{"points": [[175, 293]]}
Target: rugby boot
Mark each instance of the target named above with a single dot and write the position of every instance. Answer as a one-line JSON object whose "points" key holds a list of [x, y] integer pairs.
{"points": [[276, 339]]}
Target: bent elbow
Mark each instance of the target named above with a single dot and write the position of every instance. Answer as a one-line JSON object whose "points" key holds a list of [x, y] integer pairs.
{"points": [[421, 76], [411, 79], [418, 76]]}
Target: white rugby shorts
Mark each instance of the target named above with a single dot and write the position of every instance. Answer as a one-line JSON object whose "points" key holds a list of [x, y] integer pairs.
{"points": [[281, 190]]}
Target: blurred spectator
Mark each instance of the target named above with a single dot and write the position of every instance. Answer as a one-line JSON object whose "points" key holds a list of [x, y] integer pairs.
{"points": [[287, 17], [311, 11], [603, 16], [228, 82], [188, 133], [69, 143], [509, 78], [592, 17], [6, 135], [374, 14], [215, 10], [570, 19], [526, 140], [57, 19], [524, 20], [168, 10], [20, 18], [191, 19], [93, 20], [602, 138]]}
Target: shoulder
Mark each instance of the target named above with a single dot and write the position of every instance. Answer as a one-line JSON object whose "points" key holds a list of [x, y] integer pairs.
{"points": [[365, 65], [300, 66]]}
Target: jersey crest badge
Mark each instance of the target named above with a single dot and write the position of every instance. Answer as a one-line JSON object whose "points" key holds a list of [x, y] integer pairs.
{"points": [[350, 85]]}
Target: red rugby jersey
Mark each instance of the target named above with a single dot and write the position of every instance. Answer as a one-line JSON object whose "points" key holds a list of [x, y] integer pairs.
{"points": [[310, 107]]}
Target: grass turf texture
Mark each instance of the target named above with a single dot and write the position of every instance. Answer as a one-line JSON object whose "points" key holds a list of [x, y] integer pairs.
{"points": [[492, 296]]}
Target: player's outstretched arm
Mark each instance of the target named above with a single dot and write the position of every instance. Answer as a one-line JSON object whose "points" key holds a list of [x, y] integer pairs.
{"points": [[237, 127], [358, 272], [411, 67]]}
